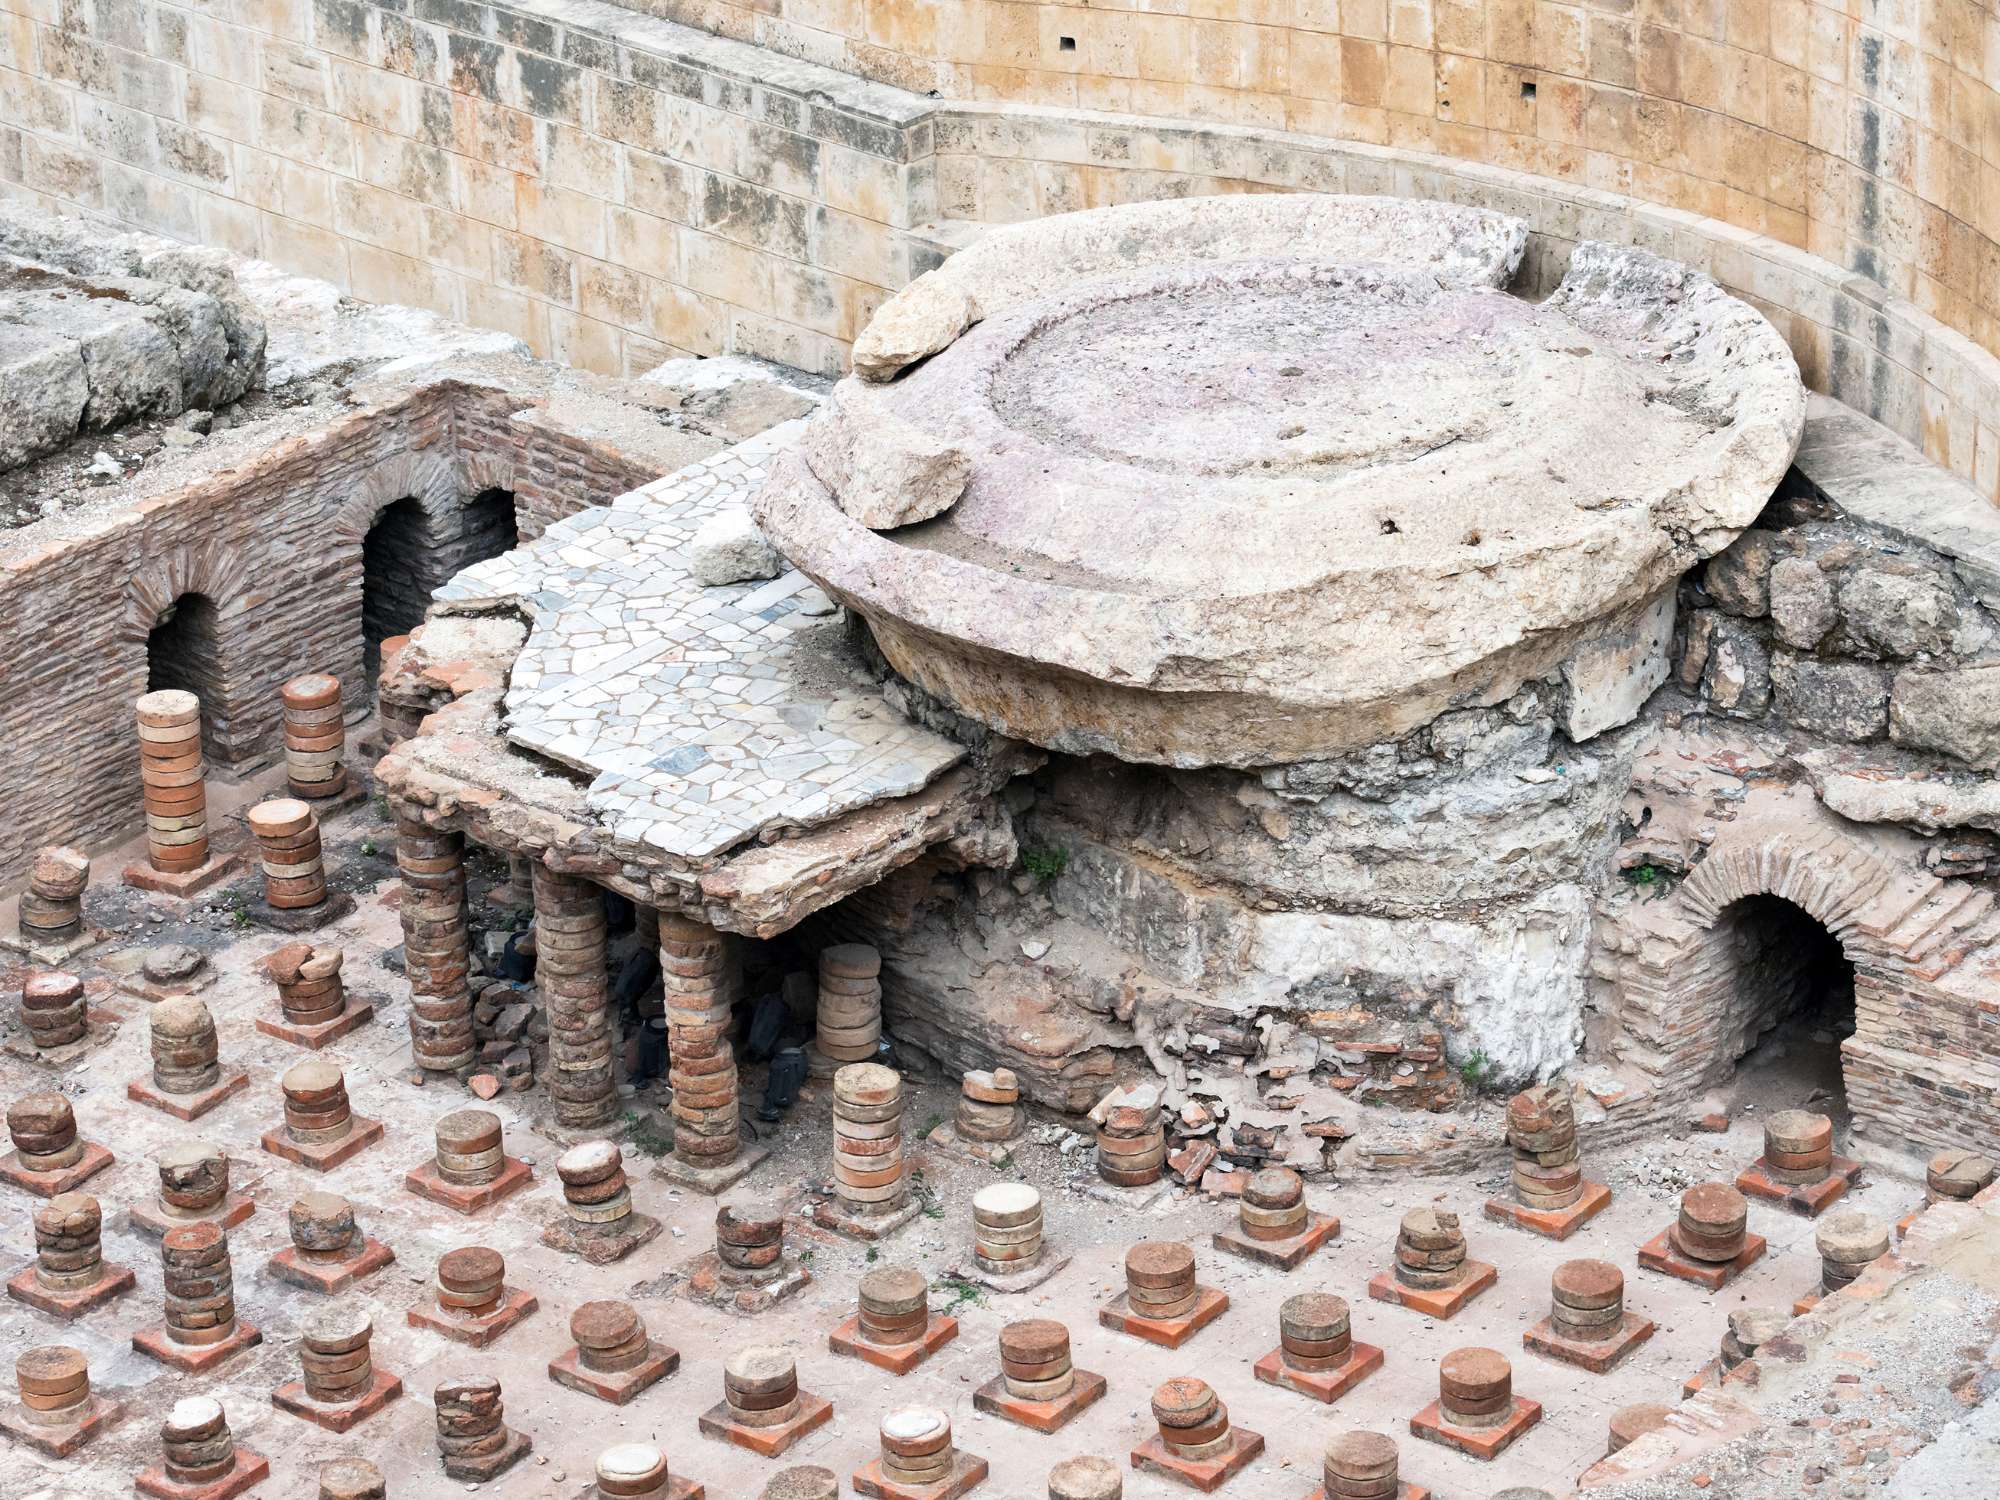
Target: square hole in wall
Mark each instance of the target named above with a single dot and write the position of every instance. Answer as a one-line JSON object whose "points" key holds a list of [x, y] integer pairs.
{"points": [[1066, 44], [1527, 88]]}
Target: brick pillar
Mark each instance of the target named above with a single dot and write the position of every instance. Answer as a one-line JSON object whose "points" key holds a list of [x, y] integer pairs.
{"points": [[437, 951], [575, 987], [700, 978]]}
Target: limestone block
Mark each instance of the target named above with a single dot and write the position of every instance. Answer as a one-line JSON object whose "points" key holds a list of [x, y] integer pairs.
{"points": [[728, 548], [1802, 606], [1738, 579], [1609, 679], [1897, 615], [881, 470], [1955, 711], [42, 393], [1840, 700]]}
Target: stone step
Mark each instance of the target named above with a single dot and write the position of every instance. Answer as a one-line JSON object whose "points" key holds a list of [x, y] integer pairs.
{"points": [[1957, 930], [1932, 916], [1906, 893]]}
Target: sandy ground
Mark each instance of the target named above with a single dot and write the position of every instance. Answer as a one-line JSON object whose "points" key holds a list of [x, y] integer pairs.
{"points": [[569, 1429]]}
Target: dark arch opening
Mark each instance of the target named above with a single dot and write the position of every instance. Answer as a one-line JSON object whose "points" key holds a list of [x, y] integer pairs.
{"points": [[184, 651], [1795, 994], [407, 554]]}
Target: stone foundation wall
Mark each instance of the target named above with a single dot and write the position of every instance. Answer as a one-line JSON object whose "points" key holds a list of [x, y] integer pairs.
{"points": [[614, 188]]}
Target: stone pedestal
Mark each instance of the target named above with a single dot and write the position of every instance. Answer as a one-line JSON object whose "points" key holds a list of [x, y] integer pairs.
{"points": [[612, 1359], [470, 1169], [1162, 1303], [321, 1130], [341, 1387], [1476, 1411], [1038, 1386], [328, 1252], [894, 1329], [70, 1275], [762, 1407], [437, 952], [1195, 1444], [575, 988], [700, 979], [474, 1440], [471, 1301], [49, 1157], [315, 737], [598, 1223], [201, 1329]]}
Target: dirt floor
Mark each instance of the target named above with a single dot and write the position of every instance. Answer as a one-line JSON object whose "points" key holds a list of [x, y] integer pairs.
{"points": [[569, 1429]]}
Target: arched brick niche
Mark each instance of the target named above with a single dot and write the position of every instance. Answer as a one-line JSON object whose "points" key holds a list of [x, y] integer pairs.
{"points": [[1923, 1062]]}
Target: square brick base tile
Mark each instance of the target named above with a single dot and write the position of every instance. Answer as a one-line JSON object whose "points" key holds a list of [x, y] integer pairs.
{"points": [[70, 1305], [1808, 1200], [1552, 1223], [479, 1331], [1903, 1224], [425, 1182], [491, 1465], [194, 1358], [1204, 1474], [324, 1156], [1329, 1386], [1014, 1283], [186, 1106], [138, 985], [1659, 1254], [338, 1417], [143, 877], [618, 1387], [1707, 1375], [251, 1468], [150, 1218], [337, 904], [712, 1182], [328, 1278], [47, 1184], [996, 1154], [1803, 1305], [100, 1026], [677, 1489], [767, 1442], [1442, 1303], [60, 1442], [1286, 1254], [1594, 1355], [967, 1470], [828, 1214], [358, 1013], [1169, 1333], [47, 953], [705, 1285], [1479, 1442], [601, 1249], [897, 1359], [1407, 1492], [996, 1400]]}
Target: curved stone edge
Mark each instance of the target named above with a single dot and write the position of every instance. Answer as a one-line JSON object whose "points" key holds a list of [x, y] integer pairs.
{"points": [[1722, 357], [1475, 246]]}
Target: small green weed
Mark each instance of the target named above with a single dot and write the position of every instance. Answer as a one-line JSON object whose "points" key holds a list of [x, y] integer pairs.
{"points": [[1045, 862], [1475, 1068], [960, 1293]]}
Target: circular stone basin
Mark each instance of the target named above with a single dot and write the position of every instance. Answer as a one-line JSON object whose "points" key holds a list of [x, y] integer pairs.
{"points": [[1265, 510]]}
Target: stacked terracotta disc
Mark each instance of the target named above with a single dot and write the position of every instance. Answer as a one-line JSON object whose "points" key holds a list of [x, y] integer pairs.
{"points": [[630, 1471], [288, 847], [43, 1129], [868, 1139], [171, 771], [1361, 1466], [1131, 1139], [1159, 1279], [469, 1151], [316, 1106], [471, 1420], [315, 736], [1430, 1249], [185, 1055], [1035, 1360], [201, 1288], [761, 1386], [195, 1443], [1314, 1332], [916, 1447], [310, 990], [610, 1336], [54, 1382], [53, 1011], [352, 1479], [437, 951], [1086, 1477], [1006, 1228], [575, 988], [750, 1242], [1193, 1422], [1957, 1176], [1273, 1205], [700, 991], [1848, 1244], [894, 1305], [1630, 1423], [1587, 1300], [989, 1105], [1750, 1328], [1798, 1146], [850, 1003], [52, 905], [334, 1351], [596, 1195], [1713, 1218], [69, 1245], [470, 1280], [194, 1179], [1541, 1130], [323, 1229], [1475, 1388]]}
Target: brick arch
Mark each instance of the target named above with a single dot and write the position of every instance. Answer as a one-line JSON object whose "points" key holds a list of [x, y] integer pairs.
{"points": [[1830, 877], [213, 570], [431, 479]]}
